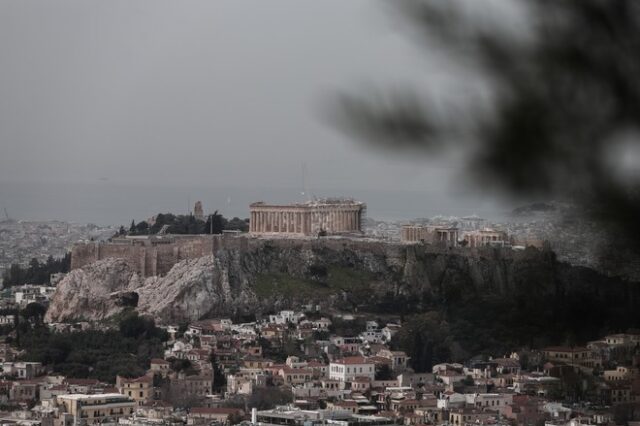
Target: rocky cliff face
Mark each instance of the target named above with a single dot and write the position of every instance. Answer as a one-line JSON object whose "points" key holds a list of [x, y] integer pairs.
{"points": [[191, 290], [96, 291], [266, 275]]}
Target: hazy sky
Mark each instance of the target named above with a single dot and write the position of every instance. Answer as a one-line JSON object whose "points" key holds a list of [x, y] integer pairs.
{"points": [[191, 92]]}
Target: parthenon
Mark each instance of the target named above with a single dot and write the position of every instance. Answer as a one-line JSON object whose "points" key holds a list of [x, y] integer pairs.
{"points": [[330, 216]]}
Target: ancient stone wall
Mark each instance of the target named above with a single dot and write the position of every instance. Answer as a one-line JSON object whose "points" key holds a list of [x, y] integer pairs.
{"points": [[158, 259], [144, 256]]}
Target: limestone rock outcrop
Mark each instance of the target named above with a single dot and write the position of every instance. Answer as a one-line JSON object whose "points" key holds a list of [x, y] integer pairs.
{"points": [[190, 290], [259, 276], [92, 292]]}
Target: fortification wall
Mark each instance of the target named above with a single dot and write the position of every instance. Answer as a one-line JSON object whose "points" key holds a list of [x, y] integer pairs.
{"points": [[145, 258], [386, 248], [83, 254], [158, 259]]}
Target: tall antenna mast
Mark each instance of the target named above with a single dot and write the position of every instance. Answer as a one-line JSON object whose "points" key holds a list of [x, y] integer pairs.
{"points": [[305, 184]]}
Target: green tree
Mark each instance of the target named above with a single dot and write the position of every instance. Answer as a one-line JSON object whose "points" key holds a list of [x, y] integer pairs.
{"points": [[219, 377], [384, 372], [142, 228], [133, 325], [34, 313], [216, 223]]}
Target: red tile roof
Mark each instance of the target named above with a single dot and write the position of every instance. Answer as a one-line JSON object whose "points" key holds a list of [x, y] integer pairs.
{"points": [[353, 360], [141, 379]]}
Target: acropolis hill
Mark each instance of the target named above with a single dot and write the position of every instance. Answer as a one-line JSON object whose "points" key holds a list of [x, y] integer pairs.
{"points": [[153, 255], [156, 254], [178, 278], [248, 275]]}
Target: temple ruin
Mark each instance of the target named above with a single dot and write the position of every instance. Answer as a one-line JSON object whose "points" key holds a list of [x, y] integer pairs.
{"points": [[431, 234], [327, 216], [486, 237]]}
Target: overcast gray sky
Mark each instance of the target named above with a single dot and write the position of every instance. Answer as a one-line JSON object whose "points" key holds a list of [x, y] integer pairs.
{"points": [[227, 92]]}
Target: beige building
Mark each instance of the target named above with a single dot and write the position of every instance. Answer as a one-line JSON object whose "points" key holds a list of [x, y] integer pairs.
{"points": [[622, 339], [620, 373], [431, 234], [160, 366], [578, 356], [94, 409], [331, 216], [466, 416], [140, 389], [399, 359], [222, 415], [192, 386], [296, 376], [348, 368]]}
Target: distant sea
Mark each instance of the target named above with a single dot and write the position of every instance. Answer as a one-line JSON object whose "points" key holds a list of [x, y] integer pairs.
{"points": [[106, 203]]}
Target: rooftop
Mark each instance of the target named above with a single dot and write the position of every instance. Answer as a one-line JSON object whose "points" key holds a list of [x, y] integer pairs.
{"points": [[92, 397], [353, 360]]}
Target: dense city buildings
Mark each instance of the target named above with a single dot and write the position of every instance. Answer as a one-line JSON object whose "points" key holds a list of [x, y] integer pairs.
{"points": [[218, 372], [313, 366], [22, 241], [94, 408]]}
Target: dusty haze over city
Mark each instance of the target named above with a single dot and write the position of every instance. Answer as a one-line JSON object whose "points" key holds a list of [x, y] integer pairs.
{"points": [[111, 111]]}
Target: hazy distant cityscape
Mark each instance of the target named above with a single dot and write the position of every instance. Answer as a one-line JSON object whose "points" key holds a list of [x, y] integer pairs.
{"points": [[320, 213]]}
